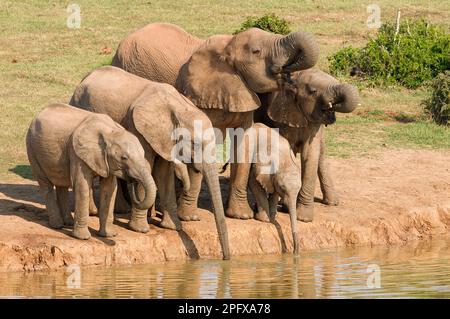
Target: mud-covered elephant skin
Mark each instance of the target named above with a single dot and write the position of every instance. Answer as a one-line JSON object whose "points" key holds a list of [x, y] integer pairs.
{"points": [[68, 147], [154, 112], [221, 75], [300, 112]]}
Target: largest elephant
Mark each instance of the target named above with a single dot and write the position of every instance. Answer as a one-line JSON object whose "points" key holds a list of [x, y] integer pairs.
{"points": [[222, 75]]}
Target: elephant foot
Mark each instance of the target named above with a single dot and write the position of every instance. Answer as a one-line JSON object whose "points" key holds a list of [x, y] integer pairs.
{"points": [[305, 213], [108, 232], [187, 213], [330, 200], [139, 225], [56, 221], [262, 216], [170, 223], [239, 209], [81, 233]]}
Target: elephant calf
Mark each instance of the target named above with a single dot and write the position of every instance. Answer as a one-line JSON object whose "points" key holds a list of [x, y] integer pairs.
{"points": [[275, 173], [68, 147]]}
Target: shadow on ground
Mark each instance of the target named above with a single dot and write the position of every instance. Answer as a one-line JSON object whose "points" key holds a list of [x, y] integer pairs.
{"points": [[26, 202], [23, 171]]}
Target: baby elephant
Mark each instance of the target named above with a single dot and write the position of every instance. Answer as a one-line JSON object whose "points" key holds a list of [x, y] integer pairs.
{"points": [[275, 173], [68, 147]]}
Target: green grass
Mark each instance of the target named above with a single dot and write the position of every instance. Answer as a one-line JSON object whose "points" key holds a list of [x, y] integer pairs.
{"points": [[418, 135], [51, 58], [366, 135]]}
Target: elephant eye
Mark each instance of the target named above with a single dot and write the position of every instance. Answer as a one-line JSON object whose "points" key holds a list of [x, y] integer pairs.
{"points": [[124, 157], [256, 51], [312, 90]]}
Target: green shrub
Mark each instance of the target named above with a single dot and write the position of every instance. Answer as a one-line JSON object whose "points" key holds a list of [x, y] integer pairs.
{"points": [[343, 61], [268, 22], [418, 53], [438, 105]]}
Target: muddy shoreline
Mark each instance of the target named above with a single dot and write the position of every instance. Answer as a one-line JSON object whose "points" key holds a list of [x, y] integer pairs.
{"points": [[392, 199]]}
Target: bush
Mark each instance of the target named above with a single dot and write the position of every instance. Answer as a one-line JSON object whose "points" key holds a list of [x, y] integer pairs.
{"points": [[438, 105], [343, 61], [268, 22], [418, 53]]}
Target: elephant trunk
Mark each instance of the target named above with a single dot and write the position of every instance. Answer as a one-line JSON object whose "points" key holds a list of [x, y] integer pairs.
{"points": [[302, 50], [344, 97], [148, 184], [292, 206], [212, 180]]}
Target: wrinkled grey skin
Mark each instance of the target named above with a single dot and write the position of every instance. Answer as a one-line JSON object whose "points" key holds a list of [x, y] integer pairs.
{"points": [[153, 111], [68, 147], [283, 182], [300, 112], [222, 76]]}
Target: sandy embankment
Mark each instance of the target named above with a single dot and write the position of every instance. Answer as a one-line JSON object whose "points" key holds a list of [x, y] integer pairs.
{"points": [[398, 197]]}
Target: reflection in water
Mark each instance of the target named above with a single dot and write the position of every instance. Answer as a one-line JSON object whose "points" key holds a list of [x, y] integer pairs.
{"points": [[417, 270]]}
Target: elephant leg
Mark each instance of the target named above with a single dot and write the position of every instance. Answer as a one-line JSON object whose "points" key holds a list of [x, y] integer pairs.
{"points": [[62, 195], [187, 203], [121, 205], [273, 204], [108, 190], [164, 176], [82, 184], [326, 182], [263, 213], [54, 216], [238, 206], [310, 162], [93, 211], [138, 220]]}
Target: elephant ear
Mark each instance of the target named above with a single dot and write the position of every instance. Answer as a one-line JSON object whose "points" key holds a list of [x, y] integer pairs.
{"points": [[211, 82], [155, 120], [284, 108], [89, 143], [265, 180]]}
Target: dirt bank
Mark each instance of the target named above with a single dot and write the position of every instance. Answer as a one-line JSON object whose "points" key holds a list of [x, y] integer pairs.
{"points": [[397, 197]]}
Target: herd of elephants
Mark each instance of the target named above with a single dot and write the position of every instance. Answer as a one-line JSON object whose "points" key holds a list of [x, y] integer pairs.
{"points": [[120, 119]]}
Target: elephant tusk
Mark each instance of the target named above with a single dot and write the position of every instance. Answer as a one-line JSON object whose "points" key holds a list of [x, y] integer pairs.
{"points": [[330, 105]]}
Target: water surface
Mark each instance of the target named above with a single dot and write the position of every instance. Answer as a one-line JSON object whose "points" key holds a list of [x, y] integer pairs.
{"points": [[417, 270]]}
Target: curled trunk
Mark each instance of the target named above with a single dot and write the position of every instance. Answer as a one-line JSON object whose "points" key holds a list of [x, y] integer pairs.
{"points": [[344, 97], [149, 187], [302, 50], [212, 180]]}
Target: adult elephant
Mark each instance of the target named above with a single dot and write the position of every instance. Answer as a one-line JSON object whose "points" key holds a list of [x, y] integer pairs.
{"points": [[222, 75], [300, 112]]}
